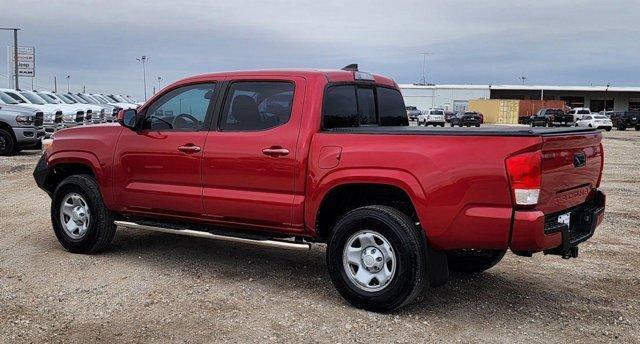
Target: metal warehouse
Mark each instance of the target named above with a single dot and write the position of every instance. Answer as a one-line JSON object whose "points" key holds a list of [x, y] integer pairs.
{"points": [[456, 97]]}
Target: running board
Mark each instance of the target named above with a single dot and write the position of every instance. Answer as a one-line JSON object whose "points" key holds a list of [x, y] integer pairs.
{"points": [[289, 245]]}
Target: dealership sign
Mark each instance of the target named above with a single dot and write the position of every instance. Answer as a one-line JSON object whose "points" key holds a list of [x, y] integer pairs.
{"points": [[26, 61]]}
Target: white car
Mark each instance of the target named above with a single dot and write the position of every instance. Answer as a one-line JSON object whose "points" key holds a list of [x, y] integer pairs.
{"points": [[115, 100], [595, 121], [433, 116], [578, 113]]}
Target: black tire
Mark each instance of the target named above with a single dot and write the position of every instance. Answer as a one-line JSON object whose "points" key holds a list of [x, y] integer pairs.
{"points": [[409, 246], [442, 125], [467, 261], [100, 230], [452, 125], [7, 143], [637, 127], [609, 129], [622, 127], [477, 125]]}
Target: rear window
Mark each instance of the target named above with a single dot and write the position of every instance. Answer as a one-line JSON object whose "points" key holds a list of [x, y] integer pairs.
{"points": [[437, 112], [555, 112], [352, 106], [583, 112]]}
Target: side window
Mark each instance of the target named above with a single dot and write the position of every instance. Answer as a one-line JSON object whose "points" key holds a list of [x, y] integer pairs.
{"points": [[391, 108], [340, 107], [257, 105], [183, 109]]}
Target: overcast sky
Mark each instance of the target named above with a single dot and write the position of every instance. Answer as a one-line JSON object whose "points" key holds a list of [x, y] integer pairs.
{"points": [[480, 42]]}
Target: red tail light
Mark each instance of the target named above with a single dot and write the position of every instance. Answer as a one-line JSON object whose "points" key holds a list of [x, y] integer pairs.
{"points": [[525, 172]]}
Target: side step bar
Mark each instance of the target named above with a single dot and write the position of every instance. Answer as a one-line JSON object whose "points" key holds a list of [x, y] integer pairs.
{"points": [[289, 245]]}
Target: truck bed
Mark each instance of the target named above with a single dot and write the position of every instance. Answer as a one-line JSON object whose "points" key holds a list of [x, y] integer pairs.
{"points": [[471, 131]]}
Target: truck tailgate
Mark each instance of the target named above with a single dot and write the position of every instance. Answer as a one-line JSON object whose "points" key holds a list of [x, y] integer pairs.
{"points": [[571, 170]]}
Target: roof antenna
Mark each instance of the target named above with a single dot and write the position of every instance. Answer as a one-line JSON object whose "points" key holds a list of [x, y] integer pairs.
{"points": [[352, 67]]}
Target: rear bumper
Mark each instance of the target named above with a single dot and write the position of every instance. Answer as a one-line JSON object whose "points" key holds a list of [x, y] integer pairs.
{"points": [[533, 231]]}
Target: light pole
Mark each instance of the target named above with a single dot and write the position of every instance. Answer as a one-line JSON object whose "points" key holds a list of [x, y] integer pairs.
{"points": [[144, 59], [159, 79], [424, 63], [68, 88], [523, 78], [15, 53]]}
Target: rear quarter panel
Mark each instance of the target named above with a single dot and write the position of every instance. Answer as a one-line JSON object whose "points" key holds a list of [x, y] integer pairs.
{"points": [[458, 184]]}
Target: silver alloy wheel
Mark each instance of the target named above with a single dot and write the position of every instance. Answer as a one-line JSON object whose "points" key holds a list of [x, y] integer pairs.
{"points": [[369, 261], [74, 215]]}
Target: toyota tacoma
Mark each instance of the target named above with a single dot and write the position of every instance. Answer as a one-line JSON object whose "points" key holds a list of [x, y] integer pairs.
{"points": [[287, 158]]}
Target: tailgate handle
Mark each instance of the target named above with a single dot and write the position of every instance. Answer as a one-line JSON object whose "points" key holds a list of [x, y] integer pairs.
{"points": [[579, 159]]}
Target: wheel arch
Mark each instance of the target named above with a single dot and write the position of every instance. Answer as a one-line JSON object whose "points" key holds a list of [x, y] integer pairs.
{"points": [[344, 190]]}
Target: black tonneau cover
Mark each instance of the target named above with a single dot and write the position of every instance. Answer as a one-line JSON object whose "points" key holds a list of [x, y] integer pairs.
{"points": [[473, 131]]}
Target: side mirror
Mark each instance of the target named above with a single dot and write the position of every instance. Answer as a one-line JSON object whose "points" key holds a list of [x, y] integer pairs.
{"points": [[128, 118]]}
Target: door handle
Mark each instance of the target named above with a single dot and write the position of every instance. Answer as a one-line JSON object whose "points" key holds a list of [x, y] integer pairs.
{"points": [[275, 151], [189, 148]]}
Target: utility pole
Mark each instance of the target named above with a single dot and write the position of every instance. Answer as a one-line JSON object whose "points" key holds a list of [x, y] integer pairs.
{"points": [[424, 63], [523, 78], [55, 85], [68, 88], [159, 79], [15, 53], [144, 59]]}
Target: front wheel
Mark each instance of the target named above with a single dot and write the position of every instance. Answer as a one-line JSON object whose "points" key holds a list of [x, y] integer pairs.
{"points": [[7, 143], [473, 261], [80, 219], [376, 258]]}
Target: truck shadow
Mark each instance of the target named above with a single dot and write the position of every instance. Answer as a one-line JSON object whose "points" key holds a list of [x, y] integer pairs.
{"points": [[304, 273]]}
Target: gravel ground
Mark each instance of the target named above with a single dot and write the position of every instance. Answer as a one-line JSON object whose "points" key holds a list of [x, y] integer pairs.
{"points": [[156, 287]]}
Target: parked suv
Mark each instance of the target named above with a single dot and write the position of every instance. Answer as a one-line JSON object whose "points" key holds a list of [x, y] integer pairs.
{"points": [[286, 158], [20, 129], [627, 119], [550, 118], [432, 116], [577, 113], [466, 118]]}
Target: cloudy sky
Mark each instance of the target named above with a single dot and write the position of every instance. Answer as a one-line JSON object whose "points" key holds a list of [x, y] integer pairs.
{"points": [[480, 42]]}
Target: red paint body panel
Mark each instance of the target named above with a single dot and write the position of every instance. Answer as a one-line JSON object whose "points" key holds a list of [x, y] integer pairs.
{"points": [[458, 184]]}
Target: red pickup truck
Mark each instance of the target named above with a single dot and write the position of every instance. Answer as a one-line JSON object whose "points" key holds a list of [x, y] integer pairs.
{"points": [[286, 158]]}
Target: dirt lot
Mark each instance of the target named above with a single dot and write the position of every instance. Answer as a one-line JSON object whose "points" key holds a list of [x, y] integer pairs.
{"points": [[155, 287]]}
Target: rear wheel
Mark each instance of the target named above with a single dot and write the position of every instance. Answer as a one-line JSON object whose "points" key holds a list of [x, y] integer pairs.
{"points": [[637, 127], [622, 127], [477, 125], [473, 261], [376, 258], [7, 143], [80, 219], [609, 128]]}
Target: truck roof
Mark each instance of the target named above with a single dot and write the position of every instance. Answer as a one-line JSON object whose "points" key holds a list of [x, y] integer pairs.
{"points": [[331, 75]]}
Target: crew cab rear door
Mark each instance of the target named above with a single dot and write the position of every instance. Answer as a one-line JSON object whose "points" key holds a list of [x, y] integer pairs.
{"points": [[158, 168], [250, 158]]}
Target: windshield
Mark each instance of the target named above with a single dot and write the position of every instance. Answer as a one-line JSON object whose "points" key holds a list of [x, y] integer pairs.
{"points": [[78, 99], [6, 99], [49, 98], [16, 97], [65, 98], [118, 98], [86, 98], [437, 112], [131, 99], [33, 98], [555, 112], [102, 100]]}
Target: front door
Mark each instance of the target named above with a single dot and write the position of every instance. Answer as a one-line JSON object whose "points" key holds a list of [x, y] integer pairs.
{"points": [[250, 160], [158, 168]]}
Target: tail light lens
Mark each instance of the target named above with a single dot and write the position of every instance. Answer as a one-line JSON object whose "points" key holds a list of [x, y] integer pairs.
{"points": [[525, 172]]}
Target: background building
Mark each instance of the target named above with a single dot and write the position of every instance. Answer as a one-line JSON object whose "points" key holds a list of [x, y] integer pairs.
{"points": [[456, 97]]}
